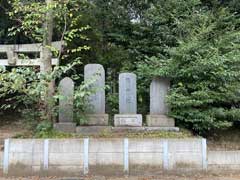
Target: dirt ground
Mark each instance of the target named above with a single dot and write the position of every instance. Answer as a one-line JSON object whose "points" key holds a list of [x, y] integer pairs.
{"points": [[9, 127], [164, 177], [198, 175]]}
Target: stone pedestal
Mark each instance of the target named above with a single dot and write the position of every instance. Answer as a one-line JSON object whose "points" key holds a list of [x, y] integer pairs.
{"points": [[97, 119], [158, 107], [160, 121], [65, 127], [127, 116], [107, 130], [133, 120], [93, 130]]}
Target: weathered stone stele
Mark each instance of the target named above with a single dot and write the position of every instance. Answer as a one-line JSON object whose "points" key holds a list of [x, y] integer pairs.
{"points": [[158, 107], [66, 90], [127, 102], [127, 93], [158, 91], [96, 111], [96, 100]]}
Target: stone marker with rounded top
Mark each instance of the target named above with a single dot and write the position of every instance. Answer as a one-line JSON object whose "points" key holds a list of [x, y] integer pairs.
{"points": [[127, 102], [96, 112], [65, 116], [158, 107]]}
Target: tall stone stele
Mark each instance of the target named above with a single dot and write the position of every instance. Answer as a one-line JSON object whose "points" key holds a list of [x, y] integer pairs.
{"points": [[96, 112], [158, 106], [127, 102], [65, 115]]}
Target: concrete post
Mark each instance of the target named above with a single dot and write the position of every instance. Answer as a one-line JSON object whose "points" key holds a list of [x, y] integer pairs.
{"points": [[6, 156], [126, 156], [165, 155], [204, 154], [85, 156], [45, 154]]}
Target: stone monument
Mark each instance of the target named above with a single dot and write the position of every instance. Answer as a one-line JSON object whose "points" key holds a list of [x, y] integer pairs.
{"points": [[65, 118], [96, 112], [158, 107], [127, 102]]}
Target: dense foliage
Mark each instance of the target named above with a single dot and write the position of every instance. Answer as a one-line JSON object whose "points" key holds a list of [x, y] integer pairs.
{"points": [[26, 86], [203, 64], [206, 73], [195, 42]]}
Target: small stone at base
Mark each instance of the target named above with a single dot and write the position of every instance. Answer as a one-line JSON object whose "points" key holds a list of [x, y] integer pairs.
{"points": [[160, 121], [132, 120], [65, 127], [88, 130]]}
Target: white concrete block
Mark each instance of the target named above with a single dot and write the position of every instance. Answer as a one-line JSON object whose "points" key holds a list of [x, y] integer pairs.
{"points": [[185, 160], [105, 145], [26, 145], [66, 146], [106, 159], [66, 170], [36, 169], [145, 145], [224, 158], [187, 145], [66, 159], [146, 159], [20, 158], [37, 159]]}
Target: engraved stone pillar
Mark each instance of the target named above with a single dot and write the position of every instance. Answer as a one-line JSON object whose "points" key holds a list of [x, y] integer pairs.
{"points": [[127, 102], [96, 112], [158, 106], [66, 90]]}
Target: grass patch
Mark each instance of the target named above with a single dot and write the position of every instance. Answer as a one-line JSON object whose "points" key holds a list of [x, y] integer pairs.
{"points": [[53, 134]]}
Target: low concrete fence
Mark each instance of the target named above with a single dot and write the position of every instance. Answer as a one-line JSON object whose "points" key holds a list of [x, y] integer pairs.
{"points": [[229, 160], [102, 156], [76, 157]]}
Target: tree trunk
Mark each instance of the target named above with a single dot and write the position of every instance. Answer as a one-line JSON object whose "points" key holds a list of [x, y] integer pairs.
{"points": [[46, 61]]}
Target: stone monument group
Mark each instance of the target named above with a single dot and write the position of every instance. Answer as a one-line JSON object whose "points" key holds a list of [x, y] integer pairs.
{"points": [[128, 116]]}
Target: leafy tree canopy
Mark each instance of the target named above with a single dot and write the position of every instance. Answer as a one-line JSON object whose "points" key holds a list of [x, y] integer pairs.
{"points": [[195, 42]]}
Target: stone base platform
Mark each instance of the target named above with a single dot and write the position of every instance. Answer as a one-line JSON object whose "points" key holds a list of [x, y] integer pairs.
{"points": [[95, 130], [132, 120], [144, 128], [65, 127], [97, 119], [160, 121]]}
